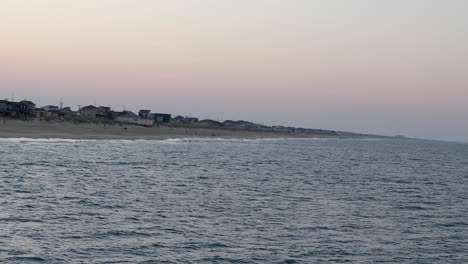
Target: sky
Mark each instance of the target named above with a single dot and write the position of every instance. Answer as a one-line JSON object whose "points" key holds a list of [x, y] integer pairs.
{"points": [[392, 67]]}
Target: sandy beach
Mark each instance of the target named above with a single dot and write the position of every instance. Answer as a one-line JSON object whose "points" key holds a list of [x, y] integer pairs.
{"points": [[67, 130]]}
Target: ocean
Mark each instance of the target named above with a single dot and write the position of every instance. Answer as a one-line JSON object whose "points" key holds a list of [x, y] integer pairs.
{"points": [[233, 201]]}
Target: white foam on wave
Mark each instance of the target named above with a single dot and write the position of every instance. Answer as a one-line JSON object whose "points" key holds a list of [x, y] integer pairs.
{"points": [[174, 140], [214, 139], [119, 141], [131, 141], [23, 140], [69, 141], [39, 140]]}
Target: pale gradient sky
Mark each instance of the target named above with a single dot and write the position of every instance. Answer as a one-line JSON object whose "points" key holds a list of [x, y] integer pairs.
{"points": [[387, 67]]}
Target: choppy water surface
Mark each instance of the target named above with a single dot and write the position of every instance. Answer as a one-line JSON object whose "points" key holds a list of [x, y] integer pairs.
{"points": [[233, 201]]}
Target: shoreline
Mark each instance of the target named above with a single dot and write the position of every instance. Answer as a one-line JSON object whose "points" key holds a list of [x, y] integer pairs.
{"points": [[36, 129]]}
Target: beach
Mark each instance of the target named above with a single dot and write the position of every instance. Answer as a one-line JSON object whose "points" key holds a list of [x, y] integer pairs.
{"points": [[68, 130]]}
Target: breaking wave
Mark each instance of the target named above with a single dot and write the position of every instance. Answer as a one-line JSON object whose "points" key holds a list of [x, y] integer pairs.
{"points": [[39, 140], [23, 140]]}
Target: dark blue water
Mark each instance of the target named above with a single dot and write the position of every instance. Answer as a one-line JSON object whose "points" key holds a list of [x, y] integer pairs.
{"points": [[233, 201]]}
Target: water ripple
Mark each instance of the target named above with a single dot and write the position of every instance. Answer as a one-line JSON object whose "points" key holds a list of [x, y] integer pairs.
{"points": [[233, 201]]}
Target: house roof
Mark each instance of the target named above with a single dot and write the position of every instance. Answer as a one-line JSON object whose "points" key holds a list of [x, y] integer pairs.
{"points": [[127, 114], [27, 102], [91, 107], [67, 110], [144, 111]]}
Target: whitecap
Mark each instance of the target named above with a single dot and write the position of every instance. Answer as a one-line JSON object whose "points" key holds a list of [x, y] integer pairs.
{"points": [[39, 140]]}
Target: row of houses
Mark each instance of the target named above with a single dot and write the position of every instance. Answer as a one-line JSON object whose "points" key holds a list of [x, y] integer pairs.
{"points": [[28, 109]]}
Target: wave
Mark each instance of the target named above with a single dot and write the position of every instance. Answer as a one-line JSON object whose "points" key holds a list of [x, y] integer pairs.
{"points": [[23, 140], [175, 140], [120, 141], [39, 140]]}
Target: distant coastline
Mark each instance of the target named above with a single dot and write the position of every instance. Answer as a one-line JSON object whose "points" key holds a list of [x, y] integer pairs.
{"points": [[35, 128], [24, 119]]}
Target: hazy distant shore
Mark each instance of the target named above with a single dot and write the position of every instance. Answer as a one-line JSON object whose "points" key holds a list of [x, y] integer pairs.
{"points": [[68, 130]]}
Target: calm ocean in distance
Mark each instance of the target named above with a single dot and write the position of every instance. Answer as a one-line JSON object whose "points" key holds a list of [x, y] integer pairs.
{"points": [[233, 201]]}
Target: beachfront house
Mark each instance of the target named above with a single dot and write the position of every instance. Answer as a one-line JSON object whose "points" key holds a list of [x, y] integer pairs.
{"points": [[67, 112], [50, 111], [103, 112], [184, 120], [144, 113], [89, 111], [48, 108], [17, 109], [3, 105], [26, 105], [8, 108], [55, 113], [40, 112], [114, 114], [160, 118], [26, 108], [127, 117], [145, 122], [5, 108]]}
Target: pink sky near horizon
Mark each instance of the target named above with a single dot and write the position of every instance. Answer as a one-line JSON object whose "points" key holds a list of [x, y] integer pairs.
{"points": [[398, 67]]}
